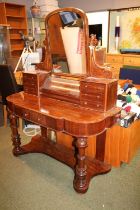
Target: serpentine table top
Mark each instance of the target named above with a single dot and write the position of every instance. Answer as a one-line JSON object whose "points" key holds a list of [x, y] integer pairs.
{"points": [[79, 122]]}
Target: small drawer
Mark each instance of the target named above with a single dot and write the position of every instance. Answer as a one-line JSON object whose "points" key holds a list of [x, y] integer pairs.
{"points": [[26, 115], [29, 90], [29, 79], [93, 105], [30, 82], [114, 59], [37, 118], [29, 76], [95, 97], [116, 66], [30, 86], [21, 112], [88, 88], [132, 61]]}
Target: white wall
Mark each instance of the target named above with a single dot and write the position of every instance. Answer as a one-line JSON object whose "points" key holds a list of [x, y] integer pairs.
{"points": [[46, 6], [100, 18], [97, 5]]}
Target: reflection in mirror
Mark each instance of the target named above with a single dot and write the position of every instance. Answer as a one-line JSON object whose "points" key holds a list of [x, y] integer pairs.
{"points": [[66, 33]]}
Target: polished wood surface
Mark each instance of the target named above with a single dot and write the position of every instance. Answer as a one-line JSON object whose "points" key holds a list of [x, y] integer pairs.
{"points": [[78, 105], [89, 92], [68, 118], [72, 115], [121, 145], [15, 16]]}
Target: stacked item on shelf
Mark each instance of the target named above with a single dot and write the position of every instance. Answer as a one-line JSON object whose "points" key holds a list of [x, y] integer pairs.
{"points": [[36, 22], [47, 6], [128, 97]]}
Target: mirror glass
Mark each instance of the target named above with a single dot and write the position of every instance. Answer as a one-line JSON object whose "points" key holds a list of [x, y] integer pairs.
{"points": [[67, 40]]}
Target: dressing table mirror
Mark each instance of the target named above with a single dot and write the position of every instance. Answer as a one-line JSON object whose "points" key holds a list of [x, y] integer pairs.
{"points": [[67, 45], [67, 41], [79, 101]]}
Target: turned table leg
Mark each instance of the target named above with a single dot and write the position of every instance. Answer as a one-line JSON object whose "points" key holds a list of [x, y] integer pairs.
{"points": [[17, 150], [80, 179]]}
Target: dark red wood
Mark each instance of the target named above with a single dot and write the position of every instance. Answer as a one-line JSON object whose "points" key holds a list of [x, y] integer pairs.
{"points": [[68, 118], [100, 146], [77, 105]]}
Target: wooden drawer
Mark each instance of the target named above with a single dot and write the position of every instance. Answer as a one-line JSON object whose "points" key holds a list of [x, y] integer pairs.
{"points": [[91, 88], [29, 79], [99, 97], [132, 61], [30, 83], [117, 61], [23, 113], [37, 118], [93, 105], [114, 59], [30, 76], [45, 121], [31, 90]]}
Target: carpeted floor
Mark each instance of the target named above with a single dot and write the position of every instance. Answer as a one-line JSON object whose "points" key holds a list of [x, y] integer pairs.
{"points": [[38, 182]]}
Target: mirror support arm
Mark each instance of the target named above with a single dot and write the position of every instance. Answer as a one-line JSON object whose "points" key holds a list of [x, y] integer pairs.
{"points": [[93, 59]]}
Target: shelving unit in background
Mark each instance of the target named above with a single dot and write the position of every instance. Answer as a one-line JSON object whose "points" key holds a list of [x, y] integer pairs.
{"points": [[37, 28], [15, 16], [119, 60]]}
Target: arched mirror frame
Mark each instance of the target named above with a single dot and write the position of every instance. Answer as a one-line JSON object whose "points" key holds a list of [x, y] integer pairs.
{"points": [[47, 63]]}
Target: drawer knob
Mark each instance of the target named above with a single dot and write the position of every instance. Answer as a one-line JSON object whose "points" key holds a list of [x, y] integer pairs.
{"points": [[26, 114], [85, 102]]}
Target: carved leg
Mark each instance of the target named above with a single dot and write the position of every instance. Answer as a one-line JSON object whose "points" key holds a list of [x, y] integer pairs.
{"points": [[80, 180], [17, 150]]}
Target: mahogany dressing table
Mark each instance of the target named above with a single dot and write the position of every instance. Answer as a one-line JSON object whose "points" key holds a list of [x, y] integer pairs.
{"points": [[80, 105]]}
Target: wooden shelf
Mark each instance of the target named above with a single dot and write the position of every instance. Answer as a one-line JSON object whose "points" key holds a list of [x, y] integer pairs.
{"points": [[15, 36], [17, 47], [15, 16], [18, 28]]}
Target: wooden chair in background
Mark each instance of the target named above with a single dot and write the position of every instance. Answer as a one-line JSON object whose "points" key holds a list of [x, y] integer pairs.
{"points": [[8, 86]]}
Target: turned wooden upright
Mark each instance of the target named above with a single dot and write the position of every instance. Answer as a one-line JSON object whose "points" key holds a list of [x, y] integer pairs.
{"points": [[77, 105]]}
